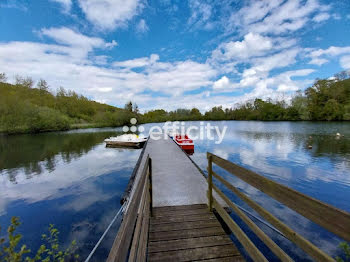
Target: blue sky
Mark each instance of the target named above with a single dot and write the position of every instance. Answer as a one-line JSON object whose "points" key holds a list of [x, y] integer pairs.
{"points": [[171, 54]]}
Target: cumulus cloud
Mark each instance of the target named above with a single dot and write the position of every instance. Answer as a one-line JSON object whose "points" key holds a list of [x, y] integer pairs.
{"points": [[71, 62], [252, 45], [222, 83], [109, 14]]}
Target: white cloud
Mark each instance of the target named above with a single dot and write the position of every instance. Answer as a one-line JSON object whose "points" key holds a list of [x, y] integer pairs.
{"points": [[201, 14], [66, 4], [223, 84], [137, 62], [109, 14], [331, 51], [252, 45], [71, 63], [318, 61], [322, 56], [274, 16], [279, 60], [345, 62], [321, 17], [67, 36], [142, 26]]}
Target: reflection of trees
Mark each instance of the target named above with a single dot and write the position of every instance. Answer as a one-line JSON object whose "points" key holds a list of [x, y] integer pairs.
{"points": [[322, 145], [36, 153]]}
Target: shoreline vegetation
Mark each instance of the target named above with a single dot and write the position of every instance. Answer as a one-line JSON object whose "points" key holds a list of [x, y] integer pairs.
{"points": [[25, 108]]}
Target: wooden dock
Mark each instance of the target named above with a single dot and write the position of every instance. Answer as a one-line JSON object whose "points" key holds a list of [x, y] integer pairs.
{"points": [[175, 179], [172, 210], [188, 233]]}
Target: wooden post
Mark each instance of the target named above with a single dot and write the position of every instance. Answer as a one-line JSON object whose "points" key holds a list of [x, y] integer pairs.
{"points": [[150, 185], [210, 183]]}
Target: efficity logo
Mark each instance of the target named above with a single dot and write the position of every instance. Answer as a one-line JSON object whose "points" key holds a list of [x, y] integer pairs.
{"points": [[133, 128], [205, 131]]}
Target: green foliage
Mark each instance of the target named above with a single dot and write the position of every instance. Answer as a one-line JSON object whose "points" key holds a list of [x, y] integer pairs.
{"points": [[24, 81], [25, 109], [50, 251], [3, 78], [326, 100], [346, 250]]}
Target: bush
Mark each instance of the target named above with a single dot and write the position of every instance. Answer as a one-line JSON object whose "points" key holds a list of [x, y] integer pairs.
{"points": [[49, 251]]}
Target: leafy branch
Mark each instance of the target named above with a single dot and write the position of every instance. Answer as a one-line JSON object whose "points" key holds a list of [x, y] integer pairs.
{"points": [[47, 252]]}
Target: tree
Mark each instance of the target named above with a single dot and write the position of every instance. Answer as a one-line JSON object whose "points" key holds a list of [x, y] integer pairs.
{"points": [[136, 109], [61, 92], [42, 85], [3, 78], [128, 106], [26, 82], [342, 75]]}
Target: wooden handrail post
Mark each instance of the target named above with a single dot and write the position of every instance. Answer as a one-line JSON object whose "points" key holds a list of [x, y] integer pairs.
{"points": [[150, 185], [210, 182]]}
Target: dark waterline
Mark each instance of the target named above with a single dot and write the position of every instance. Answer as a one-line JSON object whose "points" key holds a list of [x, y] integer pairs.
{"points": [[71, 180]]}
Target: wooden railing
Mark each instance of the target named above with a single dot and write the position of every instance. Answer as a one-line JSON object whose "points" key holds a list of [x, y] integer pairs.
{"points": [[330, 218], [130, 243]]}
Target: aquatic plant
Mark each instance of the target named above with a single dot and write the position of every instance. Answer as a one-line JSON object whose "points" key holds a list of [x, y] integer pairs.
{"points": [[49, 251], [346, 250]]}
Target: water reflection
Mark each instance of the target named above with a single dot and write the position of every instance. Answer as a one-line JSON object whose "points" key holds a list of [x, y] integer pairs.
{"points": [[39, 152], [280, 151], [69, 179]]}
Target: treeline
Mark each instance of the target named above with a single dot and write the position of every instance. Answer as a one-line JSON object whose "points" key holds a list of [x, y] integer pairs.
{"points": [[28, 108], [25, 108], [326, 100]]}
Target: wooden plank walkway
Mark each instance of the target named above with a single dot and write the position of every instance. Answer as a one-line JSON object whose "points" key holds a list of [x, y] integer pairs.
{"points": [[167, 217], [176, 180], [188, 233]]}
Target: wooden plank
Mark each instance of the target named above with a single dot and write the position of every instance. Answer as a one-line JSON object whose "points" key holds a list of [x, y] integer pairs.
{"points": [[184, 225], [267, 240], [224, 259], [180, 213], [186, 233], [150, 191], [176, 208], [196, 217], [210, 183], [303, 243], [142, 249], [194, 254], [178, 244], [333, 219], [121, 244], [137, 231], [248, 245]]}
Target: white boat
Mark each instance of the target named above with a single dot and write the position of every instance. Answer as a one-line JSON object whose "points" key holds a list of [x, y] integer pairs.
{"points": [[127, 140]]}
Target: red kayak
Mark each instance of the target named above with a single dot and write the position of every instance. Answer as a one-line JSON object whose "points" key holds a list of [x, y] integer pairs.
{"points": [[185, 143]]}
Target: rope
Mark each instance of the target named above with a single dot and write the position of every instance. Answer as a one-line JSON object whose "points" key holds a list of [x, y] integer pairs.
{"points": [[106, 231]]}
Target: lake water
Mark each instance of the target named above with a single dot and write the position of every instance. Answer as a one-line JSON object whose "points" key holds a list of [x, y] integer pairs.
{"points": [[71, 180]]}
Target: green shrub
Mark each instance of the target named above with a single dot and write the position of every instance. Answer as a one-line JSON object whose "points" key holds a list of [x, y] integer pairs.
{"points": [[49, 251]]}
